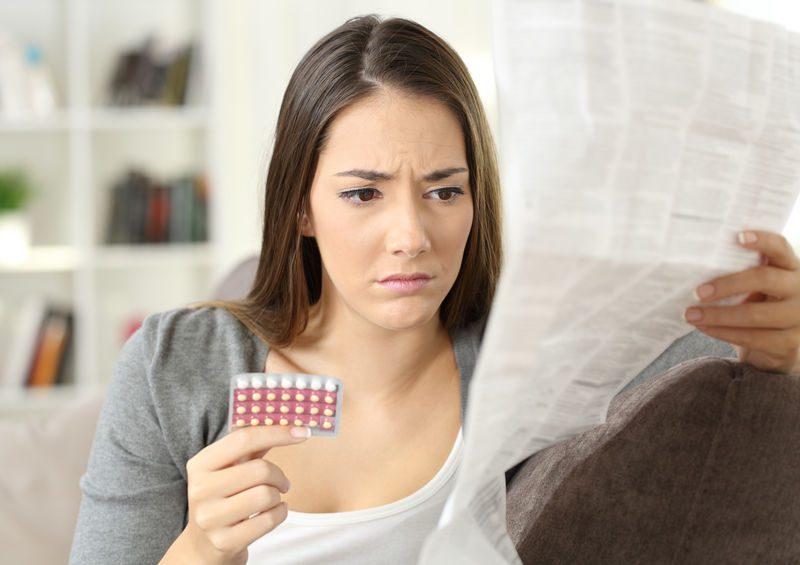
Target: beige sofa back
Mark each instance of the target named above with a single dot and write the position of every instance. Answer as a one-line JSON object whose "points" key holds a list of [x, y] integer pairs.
{"points": [[42, 461]]}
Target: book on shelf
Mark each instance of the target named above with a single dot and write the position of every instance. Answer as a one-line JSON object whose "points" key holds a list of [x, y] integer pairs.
{"points": [[129, 326], [157, 212], [23, 344], [177, 77], [55, 335], [27, 87], [199, 209], [181, 210], [151, 75], [146, 210], [41, 351]]}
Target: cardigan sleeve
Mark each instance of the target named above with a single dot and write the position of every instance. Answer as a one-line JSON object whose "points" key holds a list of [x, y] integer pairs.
{"points": [[133, 495], [690, 346]]}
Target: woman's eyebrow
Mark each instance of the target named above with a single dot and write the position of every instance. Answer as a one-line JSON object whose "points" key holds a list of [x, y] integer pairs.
{"points": [[377, 175]]}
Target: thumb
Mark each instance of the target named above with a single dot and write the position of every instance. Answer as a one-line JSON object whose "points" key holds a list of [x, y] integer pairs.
{"points": [[741, 353]]}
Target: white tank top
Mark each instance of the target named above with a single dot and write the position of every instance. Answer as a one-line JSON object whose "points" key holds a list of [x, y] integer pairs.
{"points": [[392, 533]]}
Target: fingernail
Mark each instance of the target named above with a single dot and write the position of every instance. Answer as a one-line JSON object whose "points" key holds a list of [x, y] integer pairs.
{"points": [[288, 486], [692, 314], [704, 291], [301, 432], [747, 237]]}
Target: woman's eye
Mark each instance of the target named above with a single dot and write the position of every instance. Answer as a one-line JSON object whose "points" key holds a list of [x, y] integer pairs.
{"points": [[359, 195], [447, 194], [363, 196]]}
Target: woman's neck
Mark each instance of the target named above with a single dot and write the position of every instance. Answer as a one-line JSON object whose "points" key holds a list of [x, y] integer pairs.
{"points": [[380, 367]]}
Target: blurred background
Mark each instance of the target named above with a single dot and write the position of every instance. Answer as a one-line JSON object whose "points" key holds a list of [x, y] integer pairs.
{"points": [[134, 142]]}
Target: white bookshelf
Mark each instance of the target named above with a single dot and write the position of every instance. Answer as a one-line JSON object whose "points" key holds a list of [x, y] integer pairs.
{"points": [[73, 158]]}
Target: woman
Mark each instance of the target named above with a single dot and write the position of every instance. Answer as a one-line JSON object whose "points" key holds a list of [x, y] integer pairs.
{"points": [[383, 171]]}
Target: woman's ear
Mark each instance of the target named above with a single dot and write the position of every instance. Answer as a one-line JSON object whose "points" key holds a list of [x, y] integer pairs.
{"points": [[305, 225]]}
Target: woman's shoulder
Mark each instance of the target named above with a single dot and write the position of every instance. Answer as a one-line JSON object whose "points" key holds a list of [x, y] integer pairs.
{"points": [[177, 367], [474, 331], [195, 338], [193, 317], [467, 343], [191, 323]]}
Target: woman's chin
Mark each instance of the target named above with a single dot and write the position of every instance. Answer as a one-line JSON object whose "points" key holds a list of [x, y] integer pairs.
{"points": [[406, 318]]}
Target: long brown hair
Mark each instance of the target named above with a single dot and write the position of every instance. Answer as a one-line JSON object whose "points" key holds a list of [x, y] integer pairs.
{"points": [[355, 60]]}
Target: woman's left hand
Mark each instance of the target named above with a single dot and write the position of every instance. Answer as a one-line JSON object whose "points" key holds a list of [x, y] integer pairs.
{"points": [[765, 327]]}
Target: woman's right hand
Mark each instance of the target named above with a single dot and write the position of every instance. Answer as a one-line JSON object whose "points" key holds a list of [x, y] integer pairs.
{"points": [[228, 482]]}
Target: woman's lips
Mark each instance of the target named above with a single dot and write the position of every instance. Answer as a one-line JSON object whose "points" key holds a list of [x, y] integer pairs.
{"points": [[405, 286]]}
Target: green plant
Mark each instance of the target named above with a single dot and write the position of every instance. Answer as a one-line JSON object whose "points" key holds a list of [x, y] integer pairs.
{"points": [[15, 190]]}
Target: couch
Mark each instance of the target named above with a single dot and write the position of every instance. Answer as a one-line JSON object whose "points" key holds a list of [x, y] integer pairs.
{"points": [[698, 465]]}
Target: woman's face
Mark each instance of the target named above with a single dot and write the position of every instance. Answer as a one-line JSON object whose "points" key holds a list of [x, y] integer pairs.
{"points": [[378, 210]]}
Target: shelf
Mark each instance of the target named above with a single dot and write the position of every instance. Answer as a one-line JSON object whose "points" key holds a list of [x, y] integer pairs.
{"points": [[110, 119], [148, 118], [152, 254], [63, 258], [58, 121], [44, 259]]}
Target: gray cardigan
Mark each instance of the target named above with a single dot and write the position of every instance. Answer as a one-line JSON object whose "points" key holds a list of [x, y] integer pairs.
{"points": [[168, 399]]}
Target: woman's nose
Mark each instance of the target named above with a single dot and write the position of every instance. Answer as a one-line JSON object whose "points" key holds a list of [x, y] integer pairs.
{"points": [[407, 232]]}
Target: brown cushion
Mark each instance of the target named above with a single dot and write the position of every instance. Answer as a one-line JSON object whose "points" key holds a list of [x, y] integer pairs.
{"points": [[698, 465]]}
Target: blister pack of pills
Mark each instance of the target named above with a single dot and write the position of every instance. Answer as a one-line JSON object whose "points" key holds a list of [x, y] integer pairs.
{"points": [[286, 399]]}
